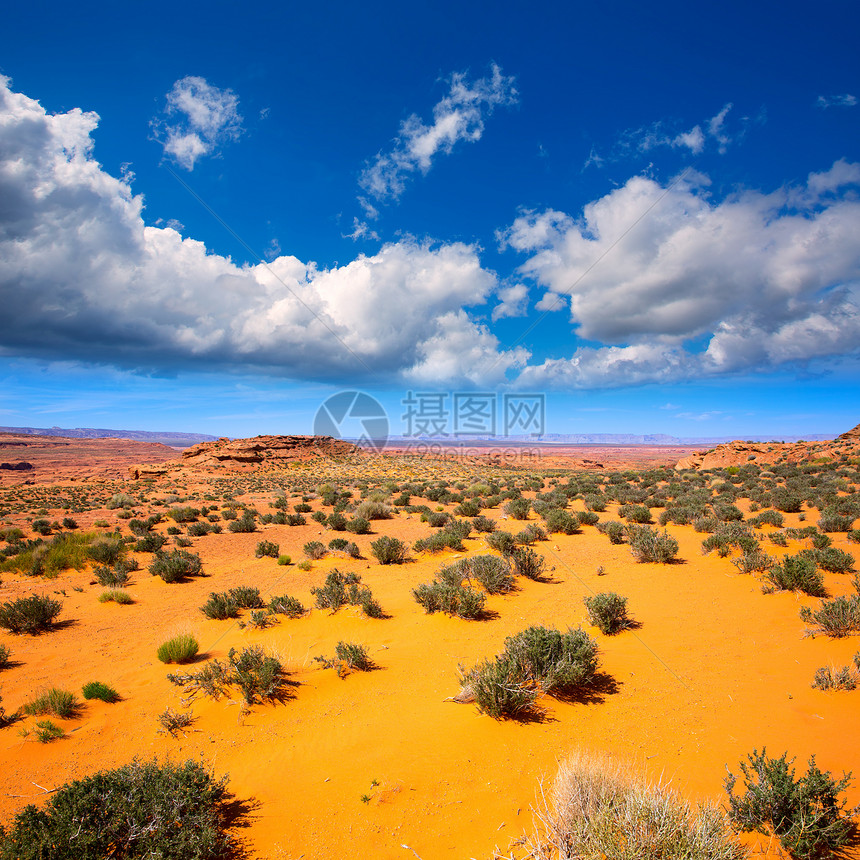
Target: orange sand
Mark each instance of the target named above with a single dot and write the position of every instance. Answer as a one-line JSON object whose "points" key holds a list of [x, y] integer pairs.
{"points": [[716, 669]]}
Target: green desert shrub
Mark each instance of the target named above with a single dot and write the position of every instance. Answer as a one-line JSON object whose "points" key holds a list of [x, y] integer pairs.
{"points": [[837, 617], [769, 518], [180, 649], [832, 678], [32, 614], [140, 810], [635, 513], [118, 575], [116, 595], [373, 510], [830, 558], [462, 601], [358, 525], [501, 541], [608, 612], [483, 524], [436, 519], [284, 560], [347, 656], [468, 508], [490, 571], [833, 522], [120, 500], [561, 521], [220, 606], [528, 563], [614, 530], [805, 814], [246, 597], [648, 544], [257, 674], [336, 521], [5, 656], [796, 573], [152, 542], [59, 703], [315, 550], [102, 692], [267, 549], [286, 605], [183, 514], [518, 509], [295, 520], [537, 660], [754, 561], [175, 565], [389, 550], [45, 731], [587, 518], [244, 524]]}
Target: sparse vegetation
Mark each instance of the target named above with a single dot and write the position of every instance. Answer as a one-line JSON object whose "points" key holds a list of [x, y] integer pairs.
{"points": [[389, 550], [59, 703], [608, 612], [102, 692], [180, 649], [176, 565], [33, 614], [169, 811], [837, 617], [806, 814]]}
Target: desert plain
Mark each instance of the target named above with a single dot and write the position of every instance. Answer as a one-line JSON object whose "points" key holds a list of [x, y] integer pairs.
{"points": [[386, 763]]}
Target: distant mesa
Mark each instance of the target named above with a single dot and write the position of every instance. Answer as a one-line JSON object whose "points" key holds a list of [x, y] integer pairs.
{"points": [[23, 466], [238, 453], [740, 453]]}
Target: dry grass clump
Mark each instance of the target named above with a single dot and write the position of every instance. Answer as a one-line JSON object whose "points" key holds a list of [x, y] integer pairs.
{"points": [[596, 810]]}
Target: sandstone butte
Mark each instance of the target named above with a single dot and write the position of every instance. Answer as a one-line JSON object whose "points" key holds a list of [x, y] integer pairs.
{"points": [[384, 764]]}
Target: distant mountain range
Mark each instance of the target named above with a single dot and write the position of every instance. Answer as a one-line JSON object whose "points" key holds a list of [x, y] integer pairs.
{"points": [[598, 439], [174, 440]]}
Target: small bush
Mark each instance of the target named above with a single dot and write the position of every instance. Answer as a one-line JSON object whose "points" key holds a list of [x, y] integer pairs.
{"points": [[437, 519], [315, 550], [46, 731], [347, 655], [295, 520], [29, 614], [60, 703], [389, 550], [496, 690], [501, 541], [838, 617], [151, 542], [116, 595], [830, 558], [770, 518], [183, 514], [635, 513], [648, 544], [373, 510], [483, 524], [755, 561], [284, 560], [141, 810], [796, 573], [608, 612], [5, 656], [832, 522], [267, 549], [492, 572], [358, 525], [286, 605], [461, 601], [805, 814], [528, 563], [831, 678], [116, 575], [106, 550], [100, 691], [220, 606], [561, 521], [175, 565], [614, 530], [518, 509], [245, 524], [173, 722], [587, 518], [179, 649], [257, 674]]}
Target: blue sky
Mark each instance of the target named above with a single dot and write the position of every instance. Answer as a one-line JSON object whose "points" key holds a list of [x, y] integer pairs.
{"points": [[214, 219]]}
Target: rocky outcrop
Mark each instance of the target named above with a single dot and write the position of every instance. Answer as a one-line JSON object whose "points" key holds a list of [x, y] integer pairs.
{"points": [[23, 466], [243, 453], [765, 453]]}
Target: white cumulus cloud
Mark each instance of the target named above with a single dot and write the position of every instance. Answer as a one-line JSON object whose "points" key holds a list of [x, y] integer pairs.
{"points": [[198, 120], [843, 100], [764, 279], [459, 116], [82, 277]]}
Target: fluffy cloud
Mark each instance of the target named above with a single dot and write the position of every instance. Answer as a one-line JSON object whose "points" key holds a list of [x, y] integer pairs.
{"points": [[458, 116], [762, 279], [82, 277], [198, 120]]}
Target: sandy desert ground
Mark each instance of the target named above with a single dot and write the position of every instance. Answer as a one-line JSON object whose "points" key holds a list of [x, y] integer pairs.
{"points": [[383, 763]]}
